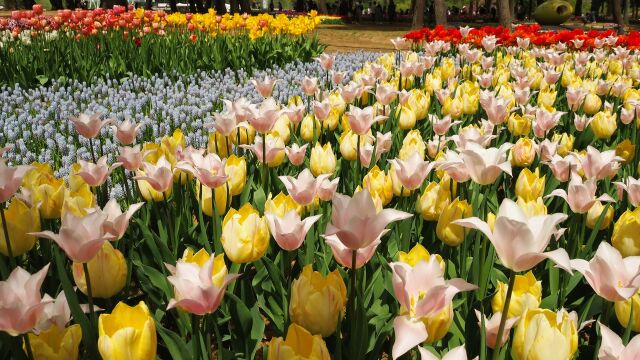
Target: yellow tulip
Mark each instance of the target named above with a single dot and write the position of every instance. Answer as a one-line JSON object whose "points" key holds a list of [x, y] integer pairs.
{"points": [[594, 214], [419, 253], [379, 183], [406, 117], [530, 185], [396, 185], [449, 233], [469, 103], [412, 142], [222, 201], [282, 129], [565, 143], [331, 122], [245, 234], [308, 129], [78, 201], [626, 150], [281, 204], [419, 103], [322, 160], [519, 125], [604, 124], [219, 270], [244, 136], [547, 97], [527, 294], [491, 220], [623, 312], [220, 144], [523, 152], [107, 272], [127, 333], [46, 190], [56, 343], [21, 220], [533, 207], [626, 233], [544, 334], [148, 193], [299, 345], [435, 198], [317, 301], [452, 107], [447, 68], [592, 104], [236, 169]]}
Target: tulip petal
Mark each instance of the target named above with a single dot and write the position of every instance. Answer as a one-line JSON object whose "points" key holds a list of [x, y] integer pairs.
{"points": [[558, 256], [612, 346], [426, 354], [409, 333]]}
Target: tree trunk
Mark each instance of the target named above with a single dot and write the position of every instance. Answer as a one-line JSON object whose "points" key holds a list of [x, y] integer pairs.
{"points": [[235, 6], [173, 5], [512, 8], [418, 15], [148, 4], [27, 4], [245, 6], [504, 13], [56, 4], [626, 10], [578, 8], [322, 7], [440, 12], [219, 6], [617, 15]]}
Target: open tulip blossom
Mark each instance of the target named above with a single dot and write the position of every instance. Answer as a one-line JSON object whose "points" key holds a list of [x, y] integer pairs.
{"points": [[254, 197]]}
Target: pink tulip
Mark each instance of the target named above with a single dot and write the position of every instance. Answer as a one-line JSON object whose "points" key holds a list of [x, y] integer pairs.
{"points": [[422, 291], [400, 43], [485, 80], [612, 347], [489, 43], [304, 188], [599, 165], [441, 126], [383, 143], [522, 43], [454, 166], [309, 86], [385, 94], [241, 109], [413, 171], [581, 122], [296, 154], [547, 149], [344, 255], [495, 107], [519, 241], [271, 146], [360, 120], [349, 92], [195, 291], [470, 135], [632, 187], [486, 62], [226, 123], [457, 353], [366, 153], [266, 116], [355, 222], [485, 165], [337, 77], [491, 327], [326, 61], [403, 97], [295, 113], [159, 176], [89, 125], [627, 116], [117, 222], [465, 31], [551, 76], [580, 195], [575, 97], [98, 173], [522, 95], [406, 69], [11, 179], [442, 95], [209, 169], [56, 313], [322, 109], [80, 237], [545, 121], [290, 231], [130, 157], [327, 188], [126, 132], [265, 86], [21, 305], [611, 277]]}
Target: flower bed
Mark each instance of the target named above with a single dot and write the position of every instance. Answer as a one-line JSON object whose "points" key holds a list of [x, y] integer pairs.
{"points": [[468, 201]]}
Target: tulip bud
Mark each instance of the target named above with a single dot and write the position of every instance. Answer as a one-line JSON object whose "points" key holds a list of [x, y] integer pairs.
{"points": [[435, 198], [127, 331], [21, 220], [594, 213], [322, 160], [530, 185], [56, 343], [623, 312], [592, 104], [300, 344], [527, 294], [523, 153], [317, 302], [379, 183], [308, 129], [541, 331], [604, 125], [449, 233], [236, 169], [406, 117], [626, 233], [104, 284], [412, 142], [245, 234]]}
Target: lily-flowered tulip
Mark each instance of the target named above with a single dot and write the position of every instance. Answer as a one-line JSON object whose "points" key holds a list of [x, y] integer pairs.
{"points": [[309, 86], [96, 174], [457, 353], [326, 61], [130, 157], [360, 120], [117, 222], [485, 165], [11, 179], [265, 116], [421, 291], [290, 231], [159, 176], [356, 223], [413, 171], [296, 153], [326, 188], [196, 290], [209, 169], [599, 165], [441, 126], [304, 188], [126, 132], [56, 313], [343, 254], [612, 277], [632, 187], [612, 347], [492, 325], [274, 149], [580, 195], [265, 86], [562, 168], [89, 126], [322, 109], [127, 333], [21, 304], [385, 94], [80, 237], [299, 344], [520, 242]]}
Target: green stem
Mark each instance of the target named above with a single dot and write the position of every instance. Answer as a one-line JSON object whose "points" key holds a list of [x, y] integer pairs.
{"points": [[505, 312], [216, 331], [265, 182], [352, 294], [195, 335], [27, 345], [5, 228], [93, 154], [87, 279]]}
